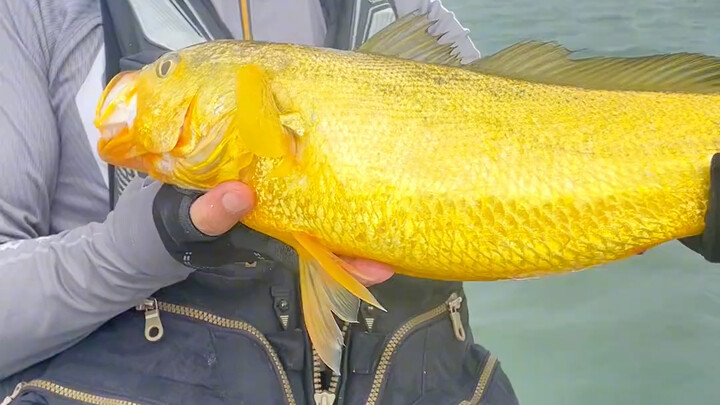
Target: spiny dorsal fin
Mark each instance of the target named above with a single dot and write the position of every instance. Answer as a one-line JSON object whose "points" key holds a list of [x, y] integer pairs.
{"points": [[408, 38], [550, 63]]}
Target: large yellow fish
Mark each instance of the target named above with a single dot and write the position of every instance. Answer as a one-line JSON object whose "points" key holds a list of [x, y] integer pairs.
{"points": [[520, 164]]}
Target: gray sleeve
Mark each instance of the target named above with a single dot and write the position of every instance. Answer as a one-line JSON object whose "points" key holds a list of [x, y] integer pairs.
{"points": [[56, 289], [446, 23]]}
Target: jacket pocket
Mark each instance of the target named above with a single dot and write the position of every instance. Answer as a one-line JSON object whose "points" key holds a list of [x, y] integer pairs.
{"points": [[429, 360], [173, 355]]}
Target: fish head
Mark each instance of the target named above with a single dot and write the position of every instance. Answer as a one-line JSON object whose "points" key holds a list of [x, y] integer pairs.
{"points": [[166, 119]]}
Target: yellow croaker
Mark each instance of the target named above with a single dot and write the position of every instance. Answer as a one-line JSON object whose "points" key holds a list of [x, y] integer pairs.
{"points": [[520, 164]]}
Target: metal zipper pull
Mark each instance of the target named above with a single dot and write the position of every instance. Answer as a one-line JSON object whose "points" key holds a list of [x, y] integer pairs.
{"points": [[324, 398], [153, 326], [14, 394], [454, 304]]}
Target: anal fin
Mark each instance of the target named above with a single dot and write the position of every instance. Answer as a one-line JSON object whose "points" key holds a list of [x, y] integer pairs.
{"points": [[335, 267], [327, 287], [324, 332]]}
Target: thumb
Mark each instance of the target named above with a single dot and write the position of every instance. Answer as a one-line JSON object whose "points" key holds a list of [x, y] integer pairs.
{"points": [[221, 208]]}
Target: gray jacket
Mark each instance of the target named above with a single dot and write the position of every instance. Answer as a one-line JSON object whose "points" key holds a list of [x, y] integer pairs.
{"points": [[67, 264]]}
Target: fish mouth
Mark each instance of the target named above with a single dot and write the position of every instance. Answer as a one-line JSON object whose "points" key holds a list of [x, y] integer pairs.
{"points": [[114, 118], [117, 105]]}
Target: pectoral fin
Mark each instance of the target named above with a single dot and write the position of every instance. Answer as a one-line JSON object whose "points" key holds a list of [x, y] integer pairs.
{"points": [[284, 168], [326, 287], [257, 121]]}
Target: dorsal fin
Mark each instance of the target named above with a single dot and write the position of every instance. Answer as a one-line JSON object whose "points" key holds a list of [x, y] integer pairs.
{"points": [[550, 63], [408, 38], [547, 62]]}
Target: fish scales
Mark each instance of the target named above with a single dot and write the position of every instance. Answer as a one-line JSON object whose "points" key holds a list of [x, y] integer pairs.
{"points": [[463, 176]]}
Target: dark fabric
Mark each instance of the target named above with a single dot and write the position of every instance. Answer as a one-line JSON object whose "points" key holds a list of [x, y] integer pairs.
{"points": [[197, 362]]}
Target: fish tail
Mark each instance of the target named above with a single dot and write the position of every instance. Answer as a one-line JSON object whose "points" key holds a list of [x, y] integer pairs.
{"points": [[326, 287]]}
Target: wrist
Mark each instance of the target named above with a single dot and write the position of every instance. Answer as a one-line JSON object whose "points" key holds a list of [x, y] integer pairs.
{"points": [[171, 215], [136, 237]]}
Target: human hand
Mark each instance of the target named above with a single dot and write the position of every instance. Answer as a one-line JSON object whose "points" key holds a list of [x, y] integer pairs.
{"points": [[221, 208], [217, 212]]}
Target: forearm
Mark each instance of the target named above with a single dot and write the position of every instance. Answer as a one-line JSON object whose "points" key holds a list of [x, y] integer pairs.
{"points": [[55, 290]]}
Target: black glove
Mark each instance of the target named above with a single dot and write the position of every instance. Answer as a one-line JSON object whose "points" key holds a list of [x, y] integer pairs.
{"points": [[189, 246], [707, 244]]}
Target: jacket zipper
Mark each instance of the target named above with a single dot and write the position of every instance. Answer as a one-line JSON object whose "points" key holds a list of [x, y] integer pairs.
{"points": [[154, 332], [454, 304], [152, 309], [488, 368], [153, 326], [325, 396], [451, 306], [64, 392]]}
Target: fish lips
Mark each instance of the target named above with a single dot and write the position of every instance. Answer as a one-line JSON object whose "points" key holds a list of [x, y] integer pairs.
{"points": [[120, 150], [114, 119], [117, 104]]}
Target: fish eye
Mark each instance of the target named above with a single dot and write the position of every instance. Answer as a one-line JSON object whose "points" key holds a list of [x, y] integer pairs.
{"points": [[165, 66]]}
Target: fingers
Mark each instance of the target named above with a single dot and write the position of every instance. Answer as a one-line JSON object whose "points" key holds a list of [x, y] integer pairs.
{"points": [[221, 208], [370, 272]]}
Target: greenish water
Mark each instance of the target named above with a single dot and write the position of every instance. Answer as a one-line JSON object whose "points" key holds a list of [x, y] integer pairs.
{"points": [[642, 331]]}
